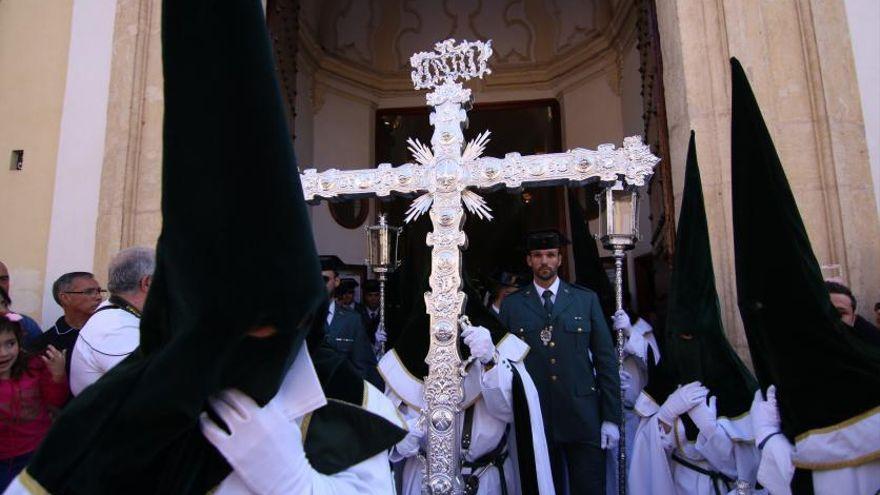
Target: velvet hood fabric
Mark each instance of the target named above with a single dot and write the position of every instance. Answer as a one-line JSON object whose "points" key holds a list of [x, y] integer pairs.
{"points": [[695, 346], [796, 338], [235, 253]]}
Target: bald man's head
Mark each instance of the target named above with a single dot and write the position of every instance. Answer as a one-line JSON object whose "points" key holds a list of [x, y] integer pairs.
{"points": [[4, 277]]}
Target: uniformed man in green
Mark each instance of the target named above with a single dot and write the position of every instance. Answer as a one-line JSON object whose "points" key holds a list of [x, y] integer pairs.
{"points": [[573, 364]]}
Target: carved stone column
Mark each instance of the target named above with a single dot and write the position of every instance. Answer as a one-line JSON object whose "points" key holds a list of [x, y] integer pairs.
{"points": [[129, 208]]}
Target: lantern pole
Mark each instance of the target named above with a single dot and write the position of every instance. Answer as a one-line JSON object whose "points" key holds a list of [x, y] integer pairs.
{"points": [[618, 243], [619, 255]]}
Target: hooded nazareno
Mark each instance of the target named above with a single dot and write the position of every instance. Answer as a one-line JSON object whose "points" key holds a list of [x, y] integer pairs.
{"points": [[235, 252], [695, 347], [828, 383]]}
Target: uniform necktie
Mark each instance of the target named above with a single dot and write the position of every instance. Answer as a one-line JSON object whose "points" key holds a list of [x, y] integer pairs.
{"points": [[548, 301]]}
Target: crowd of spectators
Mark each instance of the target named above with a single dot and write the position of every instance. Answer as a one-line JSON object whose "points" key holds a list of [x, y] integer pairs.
{"points": [[41, 370]]}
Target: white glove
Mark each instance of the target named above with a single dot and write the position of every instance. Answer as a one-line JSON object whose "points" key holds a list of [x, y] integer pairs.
{"points": [[610, 434], [776, 469], [263, 446], [681, 401], [411, 443], [480, 342], [705, 416], [625, 380], [381, 335], [622, 322], [765, 415]]}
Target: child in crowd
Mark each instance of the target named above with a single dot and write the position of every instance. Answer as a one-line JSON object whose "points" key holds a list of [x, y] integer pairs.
{"points": [[29, 386]]}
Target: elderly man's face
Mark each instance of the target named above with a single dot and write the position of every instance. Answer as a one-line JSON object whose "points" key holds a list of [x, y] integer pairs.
{"points": [[82, 297], [843, 304], [4, 277]]}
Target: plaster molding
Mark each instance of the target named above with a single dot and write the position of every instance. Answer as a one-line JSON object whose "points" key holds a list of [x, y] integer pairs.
{"points": [[348, 39], [589, 58]]}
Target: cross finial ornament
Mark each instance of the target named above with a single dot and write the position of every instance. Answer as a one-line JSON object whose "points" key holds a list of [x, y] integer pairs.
{"points": [[449, 62], [444, 174]]}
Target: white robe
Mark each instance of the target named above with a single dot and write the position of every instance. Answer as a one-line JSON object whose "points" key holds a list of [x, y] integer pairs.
{"points": [[635, 362], [300, 394], [728, 449], [490, 393], [779, 457]]}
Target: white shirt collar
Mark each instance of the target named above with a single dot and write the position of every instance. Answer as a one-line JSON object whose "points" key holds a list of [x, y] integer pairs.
{"points": [[331, 310], [300, 392], [554, 289]]}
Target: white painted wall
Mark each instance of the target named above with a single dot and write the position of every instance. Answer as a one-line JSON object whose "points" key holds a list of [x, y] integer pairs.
{"points": [[343, 139], [864, 20], [81, 146]]}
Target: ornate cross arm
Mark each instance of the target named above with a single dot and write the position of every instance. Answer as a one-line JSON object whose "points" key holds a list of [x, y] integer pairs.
{"points": [[634, 162], [380, 181]]}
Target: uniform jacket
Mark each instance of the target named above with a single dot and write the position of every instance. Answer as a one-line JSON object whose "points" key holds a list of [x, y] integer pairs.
{"points": [[576, 372], [370, 324], [347, 335]]}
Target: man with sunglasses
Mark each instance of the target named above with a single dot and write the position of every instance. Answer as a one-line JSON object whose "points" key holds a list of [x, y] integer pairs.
{"points": [[78, 294]]}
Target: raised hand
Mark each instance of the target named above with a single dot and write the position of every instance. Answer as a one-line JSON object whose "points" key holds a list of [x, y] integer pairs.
{"points": [[681, 401], [55, 361]]}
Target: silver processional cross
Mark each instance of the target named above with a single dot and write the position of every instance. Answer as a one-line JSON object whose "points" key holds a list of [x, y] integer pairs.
{"points": [[445, 174]]}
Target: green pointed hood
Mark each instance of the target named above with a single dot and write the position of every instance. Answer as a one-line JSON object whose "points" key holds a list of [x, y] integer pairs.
{"points": [[795, 336], [235, 252], [696, 347], [693, 344]]}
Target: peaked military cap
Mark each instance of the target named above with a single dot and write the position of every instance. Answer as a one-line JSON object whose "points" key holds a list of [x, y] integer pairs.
{"points": [[371, 286], [331, 262], [545, 239]]}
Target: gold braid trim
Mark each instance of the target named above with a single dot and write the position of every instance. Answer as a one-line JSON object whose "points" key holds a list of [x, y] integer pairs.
{"points": [[857, 461], [839, 426], [821, 466], [304, 427], [31, 485]]}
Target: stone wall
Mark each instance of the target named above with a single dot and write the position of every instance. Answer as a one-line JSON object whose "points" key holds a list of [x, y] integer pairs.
{"points": [[798, 57]]}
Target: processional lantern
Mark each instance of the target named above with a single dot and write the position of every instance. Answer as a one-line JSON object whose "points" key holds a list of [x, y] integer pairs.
{"points": [[619, 213], [382, 243], [619, 205]]}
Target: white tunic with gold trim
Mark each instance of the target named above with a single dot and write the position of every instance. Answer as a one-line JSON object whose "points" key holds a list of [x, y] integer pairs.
{"points": [[729, 450], [490, 394]]}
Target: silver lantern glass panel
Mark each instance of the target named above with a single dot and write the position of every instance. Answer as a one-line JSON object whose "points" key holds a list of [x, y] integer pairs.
{"points": [[619, 206], [382, 246]]}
